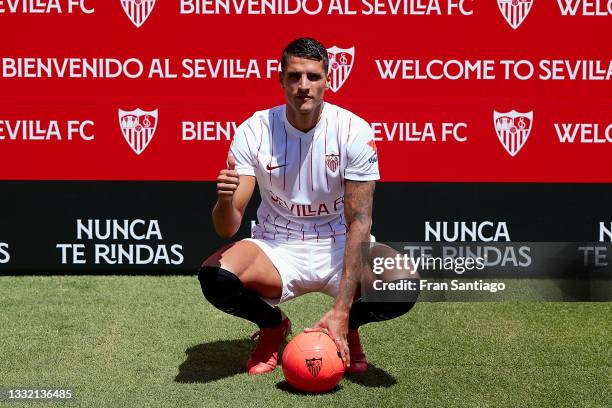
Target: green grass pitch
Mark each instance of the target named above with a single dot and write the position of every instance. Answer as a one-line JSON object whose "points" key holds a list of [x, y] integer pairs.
{"points": [[155, 342]]}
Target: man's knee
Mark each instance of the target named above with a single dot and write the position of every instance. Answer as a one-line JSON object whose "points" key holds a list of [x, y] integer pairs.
{"points": [[369, 312], [219, 286]]}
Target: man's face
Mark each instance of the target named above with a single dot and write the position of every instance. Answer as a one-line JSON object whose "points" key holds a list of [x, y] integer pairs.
{"points": [[304, 82]]}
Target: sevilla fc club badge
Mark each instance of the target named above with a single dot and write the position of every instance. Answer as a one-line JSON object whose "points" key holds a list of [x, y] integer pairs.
{"points": [[515, 11], [138, 10], [513, 129], [138, 128], [340, 65], [314, 366], [332, 161]]}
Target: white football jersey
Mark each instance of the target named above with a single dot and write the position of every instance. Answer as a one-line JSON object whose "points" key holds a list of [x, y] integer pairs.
{"points": [[301, 175]]}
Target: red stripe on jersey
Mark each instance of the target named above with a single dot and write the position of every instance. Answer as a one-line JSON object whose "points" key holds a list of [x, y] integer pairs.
{"points": [[271, 149], [339, 144], [311, 180], [324, 164], [300, 167], [275, 229], [264, 223], [332, 230], [302, 229], [248, 144], [285, 162], [260, 140], [287, 228], [314, 226], [348, 137], [312, 148]]}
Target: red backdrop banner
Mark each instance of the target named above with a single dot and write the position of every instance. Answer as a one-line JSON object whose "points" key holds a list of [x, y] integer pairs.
{"points": [[484, 91]]}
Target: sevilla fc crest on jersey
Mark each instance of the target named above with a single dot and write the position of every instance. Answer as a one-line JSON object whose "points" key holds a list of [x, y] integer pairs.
{"points": [[332, 161], [138, 10], [513, 129], [314, 366], [515, 11], [340, 65], [138, 128]]}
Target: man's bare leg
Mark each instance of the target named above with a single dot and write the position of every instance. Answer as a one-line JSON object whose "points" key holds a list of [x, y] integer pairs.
{"points": [[251, 265], [233, 280], [363, 312]]}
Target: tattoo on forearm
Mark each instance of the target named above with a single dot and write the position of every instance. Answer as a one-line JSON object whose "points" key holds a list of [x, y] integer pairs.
{"points": [[358, 197]]}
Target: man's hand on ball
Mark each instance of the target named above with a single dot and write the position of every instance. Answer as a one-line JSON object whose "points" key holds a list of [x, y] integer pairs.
{"points": [[228, 180], [335, 325]]}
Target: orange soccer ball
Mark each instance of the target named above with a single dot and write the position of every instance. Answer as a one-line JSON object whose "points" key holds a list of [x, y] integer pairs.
{"points": [[311, 362]]}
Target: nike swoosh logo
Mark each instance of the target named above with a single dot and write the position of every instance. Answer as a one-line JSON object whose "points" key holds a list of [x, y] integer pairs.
{"points": [[270, 168]]}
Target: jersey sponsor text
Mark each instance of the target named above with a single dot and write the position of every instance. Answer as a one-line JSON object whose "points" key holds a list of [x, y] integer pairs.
{"points": [[308, 210]]}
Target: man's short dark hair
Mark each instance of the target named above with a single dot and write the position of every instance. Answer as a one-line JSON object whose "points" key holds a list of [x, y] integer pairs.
{"points": [[307, 48]]}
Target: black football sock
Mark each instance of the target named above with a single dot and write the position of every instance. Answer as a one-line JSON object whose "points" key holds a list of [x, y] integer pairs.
{"points": [[226, 292], [368, 312]]}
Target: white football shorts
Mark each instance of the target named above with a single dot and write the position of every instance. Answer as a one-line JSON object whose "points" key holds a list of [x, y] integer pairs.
{"points": [[305, 266]]}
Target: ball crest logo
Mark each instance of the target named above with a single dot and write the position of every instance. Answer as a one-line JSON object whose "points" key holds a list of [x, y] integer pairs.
{"points": [[314, 366], [340, 65], [513, 129], [138, 127], [515, 11], [138, 10], [332, 161]]}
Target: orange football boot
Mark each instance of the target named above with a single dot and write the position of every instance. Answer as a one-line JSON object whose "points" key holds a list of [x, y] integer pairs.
{"points": [[264, 357], [359, 363]]}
